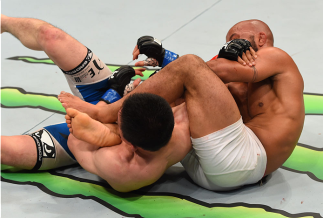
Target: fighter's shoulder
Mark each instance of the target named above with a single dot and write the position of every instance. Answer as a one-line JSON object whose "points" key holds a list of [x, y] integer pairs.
{"points": [[276, 59], [273, 52], [116, 171], [118, 156]]}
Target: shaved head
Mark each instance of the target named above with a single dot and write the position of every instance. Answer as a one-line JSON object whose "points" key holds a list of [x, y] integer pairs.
{"points": [[256, 30]]}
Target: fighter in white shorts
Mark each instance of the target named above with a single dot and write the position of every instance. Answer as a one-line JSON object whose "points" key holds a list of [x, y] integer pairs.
{"points": [[223, 160], [226, 159]]}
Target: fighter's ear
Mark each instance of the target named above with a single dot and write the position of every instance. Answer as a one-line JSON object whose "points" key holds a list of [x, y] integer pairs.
{"points": [[262, 39]]}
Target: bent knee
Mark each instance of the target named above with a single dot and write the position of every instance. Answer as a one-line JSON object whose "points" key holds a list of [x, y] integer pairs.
{"points": [[190, 64], [49, 35], [192, 59]]}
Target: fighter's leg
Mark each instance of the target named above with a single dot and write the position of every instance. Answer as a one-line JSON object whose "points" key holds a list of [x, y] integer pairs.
{"points": [[84, 71], [91, 131], [43, 149], [210, 105], [18, 151], [64, 50]]}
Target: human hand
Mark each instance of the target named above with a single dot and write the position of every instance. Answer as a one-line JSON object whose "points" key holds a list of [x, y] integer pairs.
{"points": [[131, 86], [120, 84], [139, 71], [239, 50], [135, 53], [153, 49], [148, 62], [248, 57]]}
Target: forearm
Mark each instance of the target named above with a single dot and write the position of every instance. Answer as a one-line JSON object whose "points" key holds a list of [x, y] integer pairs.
{"points": [[231, 71], [214, 65], [24, 29]]}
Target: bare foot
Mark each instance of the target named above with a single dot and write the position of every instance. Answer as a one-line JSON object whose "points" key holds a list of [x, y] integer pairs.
{"points": [[91, 131], [70, 101]]}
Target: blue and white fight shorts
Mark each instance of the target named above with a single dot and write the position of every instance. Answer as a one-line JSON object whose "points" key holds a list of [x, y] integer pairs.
{"points": [[88, 81]]}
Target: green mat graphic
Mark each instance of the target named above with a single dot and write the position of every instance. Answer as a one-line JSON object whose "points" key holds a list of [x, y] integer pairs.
{"points": [[304, 159], [143, 205]]}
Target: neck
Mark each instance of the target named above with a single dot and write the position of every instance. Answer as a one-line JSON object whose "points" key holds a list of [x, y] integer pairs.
{"points": [[144, 153], [161, 153], [265, 46]]}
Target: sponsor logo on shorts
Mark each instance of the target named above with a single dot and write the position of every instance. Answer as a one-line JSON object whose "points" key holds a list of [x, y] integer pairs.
{"points": [[49, 150], [89, 55], [88, 71], [45, 144], [37, 137], [79, 68]]}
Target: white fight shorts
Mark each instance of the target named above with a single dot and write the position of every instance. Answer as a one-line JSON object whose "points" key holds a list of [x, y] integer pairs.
{"points": [[52, 149], [89, 81], [226, 159]]}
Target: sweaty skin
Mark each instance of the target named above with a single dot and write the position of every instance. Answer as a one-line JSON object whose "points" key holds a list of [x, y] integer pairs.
{"points": [[99, 148], [269, 95], [272, 106], [124, 167]]}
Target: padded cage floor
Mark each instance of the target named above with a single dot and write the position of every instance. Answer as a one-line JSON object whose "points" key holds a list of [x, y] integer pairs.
{"points": [[30, 83]]}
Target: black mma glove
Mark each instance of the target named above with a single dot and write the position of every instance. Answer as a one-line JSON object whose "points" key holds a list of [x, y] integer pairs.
{"points": [[153, 48], [234, 49], [118, 82]]}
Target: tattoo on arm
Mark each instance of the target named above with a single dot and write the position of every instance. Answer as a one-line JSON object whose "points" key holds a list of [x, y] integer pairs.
{"points": [[255, 74]]}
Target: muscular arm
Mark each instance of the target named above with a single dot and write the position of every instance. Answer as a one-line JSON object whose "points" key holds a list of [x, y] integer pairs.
{"points": [[108, 162], [270, 62], [228, 71]]}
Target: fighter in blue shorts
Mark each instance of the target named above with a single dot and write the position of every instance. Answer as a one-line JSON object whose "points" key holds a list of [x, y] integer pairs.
{"points": [[88, 77]]}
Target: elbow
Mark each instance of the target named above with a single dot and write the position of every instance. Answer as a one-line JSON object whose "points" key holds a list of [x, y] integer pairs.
{"points": [[219, 67], [224, 76]]}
